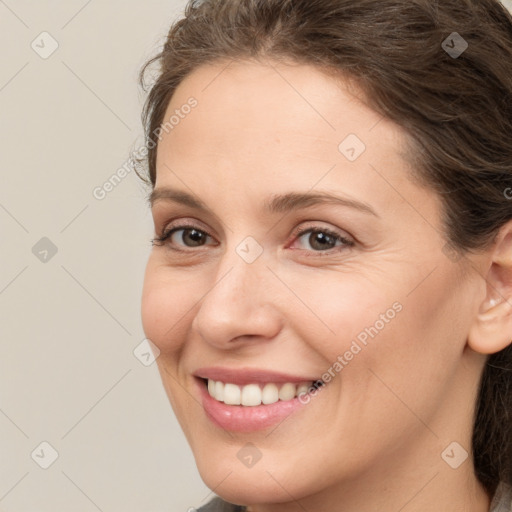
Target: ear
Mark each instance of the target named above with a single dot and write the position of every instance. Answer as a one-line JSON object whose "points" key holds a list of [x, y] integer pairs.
{"points": [[491, 330]]}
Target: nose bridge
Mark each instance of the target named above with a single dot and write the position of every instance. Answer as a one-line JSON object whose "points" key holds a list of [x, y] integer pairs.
{"points": [[234, 281], [242, 270], [239, 302]]}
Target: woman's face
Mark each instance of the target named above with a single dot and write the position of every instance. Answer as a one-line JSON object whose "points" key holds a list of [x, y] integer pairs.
{"points": [[302, 250]]}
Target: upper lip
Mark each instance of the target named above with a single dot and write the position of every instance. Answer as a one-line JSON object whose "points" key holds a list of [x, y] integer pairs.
{"points": [[243, 376]]}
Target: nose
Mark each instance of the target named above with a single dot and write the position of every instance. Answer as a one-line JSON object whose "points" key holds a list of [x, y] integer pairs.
{"points": [[241, 305]]}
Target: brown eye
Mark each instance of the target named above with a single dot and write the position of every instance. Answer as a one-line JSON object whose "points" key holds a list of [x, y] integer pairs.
{"points": [[191, 237], [183, 236], [322, 240]]}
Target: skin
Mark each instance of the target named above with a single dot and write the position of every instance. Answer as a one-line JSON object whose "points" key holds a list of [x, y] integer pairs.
{"points": [[372, 439]]}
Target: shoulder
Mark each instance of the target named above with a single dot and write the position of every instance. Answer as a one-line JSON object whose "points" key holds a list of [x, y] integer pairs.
{"points": [[218, 505], [502, 500]]}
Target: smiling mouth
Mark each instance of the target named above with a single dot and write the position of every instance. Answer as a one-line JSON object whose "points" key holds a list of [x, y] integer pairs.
{"points": [[252, 395]]}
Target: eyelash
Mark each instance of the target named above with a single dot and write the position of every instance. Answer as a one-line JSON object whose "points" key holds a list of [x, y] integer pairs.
{"points": [[298, 233]]}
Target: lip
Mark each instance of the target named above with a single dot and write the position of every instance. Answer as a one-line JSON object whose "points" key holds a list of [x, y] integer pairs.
{"points": [[244, 376], [239, 418]]}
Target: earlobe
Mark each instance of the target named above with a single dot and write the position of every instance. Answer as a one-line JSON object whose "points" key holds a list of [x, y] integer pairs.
{"points": [[491, 330]]}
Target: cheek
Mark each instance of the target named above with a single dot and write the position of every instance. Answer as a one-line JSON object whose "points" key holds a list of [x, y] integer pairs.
{"points": [[164, 308], [417, 352], [337, 310], [358, 325]]}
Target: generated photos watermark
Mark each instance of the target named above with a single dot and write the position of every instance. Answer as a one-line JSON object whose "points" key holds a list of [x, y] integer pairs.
{"points": [[100, 192], [357, 345]]}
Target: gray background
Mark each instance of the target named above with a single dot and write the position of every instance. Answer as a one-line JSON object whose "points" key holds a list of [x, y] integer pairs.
{"points": [[70, 320], [69, 325]]}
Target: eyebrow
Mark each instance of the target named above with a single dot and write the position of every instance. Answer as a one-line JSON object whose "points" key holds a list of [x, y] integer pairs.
{"points": [[283, 203]]}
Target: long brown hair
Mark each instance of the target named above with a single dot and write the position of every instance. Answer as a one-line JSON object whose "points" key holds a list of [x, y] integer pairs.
{"points": [[455, 106]]}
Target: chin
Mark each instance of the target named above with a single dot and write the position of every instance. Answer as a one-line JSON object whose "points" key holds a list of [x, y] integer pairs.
{"points": [[245, 487], [270, 480]]}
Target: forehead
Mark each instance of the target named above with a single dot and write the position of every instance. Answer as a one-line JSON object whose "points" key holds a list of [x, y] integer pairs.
{"points": [[271, 123], [273, 100]]}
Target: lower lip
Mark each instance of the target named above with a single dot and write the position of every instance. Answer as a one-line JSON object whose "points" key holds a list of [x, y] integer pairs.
{"points": [[239, 418]]}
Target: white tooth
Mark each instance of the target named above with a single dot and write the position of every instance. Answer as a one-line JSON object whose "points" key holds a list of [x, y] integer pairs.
{"points": [[287, 391], [211, 387], [302, 388], [219, 391], [270, 394], [251, 395], [232, 394]]}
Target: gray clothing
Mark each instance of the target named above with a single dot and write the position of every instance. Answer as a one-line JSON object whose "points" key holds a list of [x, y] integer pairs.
{"points": [[218, 505], [502, 501]]}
